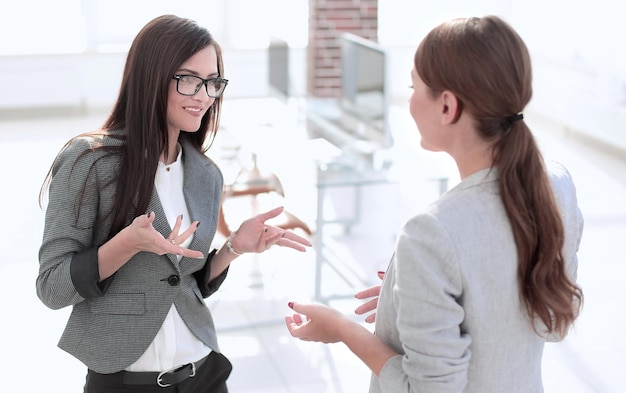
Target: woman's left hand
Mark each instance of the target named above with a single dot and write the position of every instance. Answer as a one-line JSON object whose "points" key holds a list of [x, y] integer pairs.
{"points": [[254, 235], [371, 304]]}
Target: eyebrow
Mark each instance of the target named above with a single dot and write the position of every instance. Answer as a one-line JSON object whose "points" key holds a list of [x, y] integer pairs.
{"points": [[192, 72]]}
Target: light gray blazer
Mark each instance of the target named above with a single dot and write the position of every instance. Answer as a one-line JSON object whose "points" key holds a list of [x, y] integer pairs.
{"points": [[113, 322], [449, 303]]}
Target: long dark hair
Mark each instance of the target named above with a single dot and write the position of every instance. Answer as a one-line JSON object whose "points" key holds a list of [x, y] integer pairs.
{"points": [[485, 63], [139, 116]]}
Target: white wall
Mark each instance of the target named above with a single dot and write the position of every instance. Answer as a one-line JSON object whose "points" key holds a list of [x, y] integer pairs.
{"points": [[91, 81], [59, 81], [579, 64]]}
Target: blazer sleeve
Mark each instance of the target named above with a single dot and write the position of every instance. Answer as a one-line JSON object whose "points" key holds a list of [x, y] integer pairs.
{"points": [[69, 229], [564, 191], [207, 288], [573, 222], [428, 284]]}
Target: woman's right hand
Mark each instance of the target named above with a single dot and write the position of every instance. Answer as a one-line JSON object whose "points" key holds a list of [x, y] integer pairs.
{"points": [[316, 322], [144, 237], [371, 304]]}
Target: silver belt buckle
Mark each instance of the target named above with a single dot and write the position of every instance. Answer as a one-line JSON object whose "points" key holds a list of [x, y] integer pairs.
{"points": [[159, 379]]}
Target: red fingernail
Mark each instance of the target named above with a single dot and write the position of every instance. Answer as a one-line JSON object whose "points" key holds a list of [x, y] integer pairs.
{"points": [[290, 304], [381, 272]]}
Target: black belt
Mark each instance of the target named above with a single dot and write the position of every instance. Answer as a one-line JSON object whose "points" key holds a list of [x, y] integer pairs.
{"points": [[165, 378]]}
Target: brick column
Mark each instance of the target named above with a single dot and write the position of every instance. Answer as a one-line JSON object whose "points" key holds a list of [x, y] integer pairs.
{"points": [[327, 20]]}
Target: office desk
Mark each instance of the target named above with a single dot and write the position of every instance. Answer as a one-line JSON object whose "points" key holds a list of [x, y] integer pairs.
{"points": [[334, 176], [355, 175]]}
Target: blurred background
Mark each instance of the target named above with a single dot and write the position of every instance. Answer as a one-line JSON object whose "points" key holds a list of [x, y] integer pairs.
{"points": [[69, 53], [315, 118]]}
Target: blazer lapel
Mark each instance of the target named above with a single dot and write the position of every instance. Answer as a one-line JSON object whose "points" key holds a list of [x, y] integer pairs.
{"points": [[201, 190], [160, 221], [203, 193]]}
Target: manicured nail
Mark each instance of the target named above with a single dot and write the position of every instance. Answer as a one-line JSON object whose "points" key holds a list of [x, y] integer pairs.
{"points": [[380, 272], [198, 225], [265, 229], [290, 304]]}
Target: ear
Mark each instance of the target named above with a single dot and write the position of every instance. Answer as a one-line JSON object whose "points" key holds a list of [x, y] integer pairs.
{"points": [[452, 107]]}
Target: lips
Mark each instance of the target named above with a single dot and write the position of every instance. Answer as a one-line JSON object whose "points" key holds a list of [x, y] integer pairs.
{"points": [[194, 110]]}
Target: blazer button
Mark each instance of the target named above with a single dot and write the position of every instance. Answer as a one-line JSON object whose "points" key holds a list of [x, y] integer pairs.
{"points": [[173, 280]]}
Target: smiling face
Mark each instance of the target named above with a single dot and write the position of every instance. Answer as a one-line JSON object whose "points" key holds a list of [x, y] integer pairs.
{"points": [[184, 113]]}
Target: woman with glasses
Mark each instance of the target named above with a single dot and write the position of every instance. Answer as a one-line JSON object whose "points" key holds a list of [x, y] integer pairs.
{"points": [[123, 242], [483, 278]]}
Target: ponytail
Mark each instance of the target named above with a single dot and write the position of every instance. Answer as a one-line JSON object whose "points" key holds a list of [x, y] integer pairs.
{"points": [[545, 288]]}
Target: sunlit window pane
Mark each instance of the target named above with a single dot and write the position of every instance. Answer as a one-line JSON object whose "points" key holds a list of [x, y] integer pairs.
{"points": [[41, 27], [253, 22], [115, 23], [77, 26]]}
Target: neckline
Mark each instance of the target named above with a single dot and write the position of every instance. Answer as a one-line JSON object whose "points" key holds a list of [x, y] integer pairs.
{"points": [[168, 167]]}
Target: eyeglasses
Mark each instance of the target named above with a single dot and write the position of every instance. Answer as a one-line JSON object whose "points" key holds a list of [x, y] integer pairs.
{"points": [[189, 85]]}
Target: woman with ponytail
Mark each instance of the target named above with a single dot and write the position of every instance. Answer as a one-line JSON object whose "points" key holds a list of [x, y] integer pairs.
{"points": [[483, 278]]}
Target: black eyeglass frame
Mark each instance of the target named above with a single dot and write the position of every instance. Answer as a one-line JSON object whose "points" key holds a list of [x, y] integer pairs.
{"points": [[205, 83]]}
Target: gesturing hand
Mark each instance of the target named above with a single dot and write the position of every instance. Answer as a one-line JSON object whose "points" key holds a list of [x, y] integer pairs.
{"points": [[315, 322], [146, 238], [371, 304], [254, 235]]}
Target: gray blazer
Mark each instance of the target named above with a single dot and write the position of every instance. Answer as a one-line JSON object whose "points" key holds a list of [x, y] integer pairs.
{"points": [[449, 302], [113, 322]]}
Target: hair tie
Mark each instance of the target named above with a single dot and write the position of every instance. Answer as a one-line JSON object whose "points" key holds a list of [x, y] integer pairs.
{"points": [[515, 117]]}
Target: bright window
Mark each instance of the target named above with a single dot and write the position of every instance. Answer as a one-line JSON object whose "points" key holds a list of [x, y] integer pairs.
{"points": [[41, 27], [77, 26]]}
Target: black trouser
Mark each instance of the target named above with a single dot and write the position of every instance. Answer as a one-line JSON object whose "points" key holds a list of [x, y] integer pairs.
{"points": [[210, 378]]}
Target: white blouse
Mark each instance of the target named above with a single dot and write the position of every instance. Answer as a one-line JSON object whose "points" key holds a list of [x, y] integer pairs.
{"points": [[174, 344]]}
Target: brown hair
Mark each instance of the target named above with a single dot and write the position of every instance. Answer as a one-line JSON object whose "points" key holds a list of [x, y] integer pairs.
{"points": [[140, 112], [485, 63]]}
